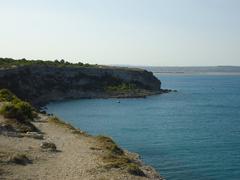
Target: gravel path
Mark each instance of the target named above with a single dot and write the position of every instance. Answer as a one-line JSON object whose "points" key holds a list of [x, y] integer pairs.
{"points": [[76, 157]]}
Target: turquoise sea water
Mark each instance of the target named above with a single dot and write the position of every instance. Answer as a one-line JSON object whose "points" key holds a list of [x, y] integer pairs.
{"points": [[190, 134]]}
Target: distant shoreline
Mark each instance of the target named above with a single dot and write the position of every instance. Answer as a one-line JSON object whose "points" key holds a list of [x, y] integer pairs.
{"points": [[199, 73], [197, 70]]}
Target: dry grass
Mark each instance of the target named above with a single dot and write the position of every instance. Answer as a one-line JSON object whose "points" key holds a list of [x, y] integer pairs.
{"points": [[57, 121], [20, 159], [22, 127], [108, 144], [114, 161], [114, 157], [3, 156], [1, 171], [14, 158], [134, 169]]}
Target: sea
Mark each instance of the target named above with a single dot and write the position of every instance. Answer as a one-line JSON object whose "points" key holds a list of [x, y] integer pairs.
{"points": [[191, 134]]}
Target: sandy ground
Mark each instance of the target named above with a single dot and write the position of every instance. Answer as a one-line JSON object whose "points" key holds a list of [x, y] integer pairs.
{"points": [[76, 157]]}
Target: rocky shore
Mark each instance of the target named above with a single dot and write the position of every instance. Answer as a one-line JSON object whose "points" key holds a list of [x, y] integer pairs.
{"points": [[41, 84], [59, 151], [39, 146]]}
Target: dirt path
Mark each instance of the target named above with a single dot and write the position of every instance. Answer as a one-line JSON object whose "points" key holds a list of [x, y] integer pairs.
{"points": [[77, 157]]}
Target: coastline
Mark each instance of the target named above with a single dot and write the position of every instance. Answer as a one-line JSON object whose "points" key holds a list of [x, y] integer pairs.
{"points": [[52, 149], [43, 83], [78, 155], [128, 95]]}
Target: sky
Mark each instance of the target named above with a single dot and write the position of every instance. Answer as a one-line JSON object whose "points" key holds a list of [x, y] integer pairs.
{"points": [[131, 32]]}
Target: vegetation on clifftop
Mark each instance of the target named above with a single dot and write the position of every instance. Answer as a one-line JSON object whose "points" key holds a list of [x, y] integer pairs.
{"points": [[40, 82], [11, 63], [18, 116], [121, 87]]}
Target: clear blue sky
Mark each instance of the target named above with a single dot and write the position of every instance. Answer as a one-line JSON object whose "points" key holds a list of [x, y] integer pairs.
{"points": [[136, 32]]}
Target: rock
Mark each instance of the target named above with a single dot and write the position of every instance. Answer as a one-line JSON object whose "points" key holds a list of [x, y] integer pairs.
{"points": [[167, 90], [43, 111], [34, 135], [20, 159], [135, 170], [48, 146], [12, 134], [6, 128]]}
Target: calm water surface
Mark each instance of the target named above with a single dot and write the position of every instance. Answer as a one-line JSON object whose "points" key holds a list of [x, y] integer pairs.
{"points": [[191, 134]]}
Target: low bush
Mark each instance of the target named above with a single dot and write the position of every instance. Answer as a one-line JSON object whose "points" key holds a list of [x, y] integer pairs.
{"points": [[25, 110], [8, 110], [21, 111], [8, 96], [18, 113], [14, 107], [12, 63], [122, 87]]}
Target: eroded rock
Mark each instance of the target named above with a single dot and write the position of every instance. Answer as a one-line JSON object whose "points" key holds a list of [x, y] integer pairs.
{"points": [[49, 146]]}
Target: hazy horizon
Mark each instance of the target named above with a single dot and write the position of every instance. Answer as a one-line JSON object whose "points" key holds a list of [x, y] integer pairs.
{"points": [[130, 32]]}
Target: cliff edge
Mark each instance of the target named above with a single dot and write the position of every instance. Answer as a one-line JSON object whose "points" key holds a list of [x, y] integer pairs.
{"points": [[42, 83], [38, 146]]}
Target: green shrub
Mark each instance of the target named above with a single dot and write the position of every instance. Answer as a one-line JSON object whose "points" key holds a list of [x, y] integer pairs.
{"points": [[21, 111], [25, 110], [12, 63], [14, 107], [9, 110], [6, 95], [123, 87]]}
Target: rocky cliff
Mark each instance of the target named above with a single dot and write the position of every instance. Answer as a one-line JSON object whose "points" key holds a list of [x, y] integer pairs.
{"points": [[40, 84]]}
